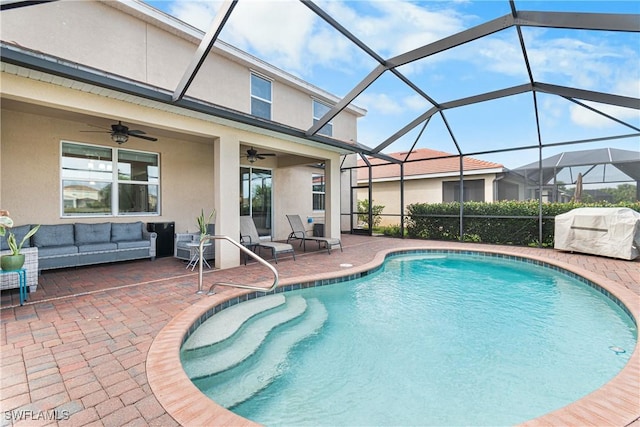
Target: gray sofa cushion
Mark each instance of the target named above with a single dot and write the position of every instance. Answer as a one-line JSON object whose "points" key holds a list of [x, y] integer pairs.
{"points": [[92, 233], [54, 235], [20, 232], [47, 251], [134, 244], [96, 247], [126, 232]]}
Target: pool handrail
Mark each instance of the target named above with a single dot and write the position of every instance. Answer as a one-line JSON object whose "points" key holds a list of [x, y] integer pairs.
{"points": [[207, 237]]}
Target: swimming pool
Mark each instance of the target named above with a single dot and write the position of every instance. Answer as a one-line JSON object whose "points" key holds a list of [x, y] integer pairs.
{"points": [[490, 325]]}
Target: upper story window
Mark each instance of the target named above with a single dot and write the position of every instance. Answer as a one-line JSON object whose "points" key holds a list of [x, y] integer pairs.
{"points": [[91, 185], [319, 110], [260, 97], [318, 191]]}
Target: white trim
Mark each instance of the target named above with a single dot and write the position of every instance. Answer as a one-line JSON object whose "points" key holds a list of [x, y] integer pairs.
{"points": [[437, 175]]}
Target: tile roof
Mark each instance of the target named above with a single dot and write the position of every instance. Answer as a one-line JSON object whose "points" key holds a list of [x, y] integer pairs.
{"points": [[423, 161]]}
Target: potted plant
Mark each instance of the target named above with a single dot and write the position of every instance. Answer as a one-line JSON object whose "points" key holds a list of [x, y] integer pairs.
{"points": [[15, 260], [203, 223]]}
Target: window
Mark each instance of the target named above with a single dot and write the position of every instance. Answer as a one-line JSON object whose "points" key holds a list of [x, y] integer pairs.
{"points": [[473, 191], [319, 110], [92, 186], [260, 97], [318, 192]]}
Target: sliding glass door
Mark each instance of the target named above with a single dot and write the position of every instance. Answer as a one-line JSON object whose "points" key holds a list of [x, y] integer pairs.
{"points": [[255, 197]]}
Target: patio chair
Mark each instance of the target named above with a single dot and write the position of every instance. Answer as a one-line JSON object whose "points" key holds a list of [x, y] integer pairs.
{"points": [[299, 233], [249, 237]]}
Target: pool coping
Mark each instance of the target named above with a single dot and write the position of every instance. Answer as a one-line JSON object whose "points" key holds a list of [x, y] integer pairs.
{"points": [[615, 403]]}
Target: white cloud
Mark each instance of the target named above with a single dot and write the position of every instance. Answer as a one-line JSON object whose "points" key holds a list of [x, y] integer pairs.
{"points": [[416, 103], [387, 105], [380, 103], [587, 118], [288, 34], [195, 13], [400, 26], [277, 30], [587, 63]]}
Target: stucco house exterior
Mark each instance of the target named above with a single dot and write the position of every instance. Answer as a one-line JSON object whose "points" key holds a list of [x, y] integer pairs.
{"points": [[79, 68], [430, 176]]}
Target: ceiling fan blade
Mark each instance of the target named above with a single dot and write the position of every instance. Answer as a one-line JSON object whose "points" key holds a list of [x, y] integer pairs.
{"points": [[267, 154], [137, 132], [148, 138], [96, 131]]}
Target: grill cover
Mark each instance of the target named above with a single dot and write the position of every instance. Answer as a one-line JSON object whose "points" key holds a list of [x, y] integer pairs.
{"points": [[612, 232]]}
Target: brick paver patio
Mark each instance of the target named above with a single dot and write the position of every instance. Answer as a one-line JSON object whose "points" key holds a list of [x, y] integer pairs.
{"points": [[78, 348]]}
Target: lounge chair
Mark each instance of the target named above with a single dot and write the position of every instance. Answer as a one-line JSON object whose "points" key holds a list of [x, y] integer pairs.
{"points": [[249, 237], [298, 232]]}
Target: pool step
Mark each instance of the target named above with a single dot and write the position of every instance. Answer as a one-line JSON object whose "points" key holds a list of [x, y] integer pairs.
{"points": [[231, 352], [234, 386], [224, 324]]}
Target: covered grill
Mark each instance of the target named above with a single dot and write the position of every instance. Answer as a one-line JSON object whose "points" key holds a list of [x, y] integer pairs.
{"points": [[612, 232]]}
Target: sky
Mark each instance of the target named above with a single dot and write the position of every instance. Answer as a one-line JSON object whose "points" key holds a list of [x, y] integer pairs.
{"points": [[288, 35]]}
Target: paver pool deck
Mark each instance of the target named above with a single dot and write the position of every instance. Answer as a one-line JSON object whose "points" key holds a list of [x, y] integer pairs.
{"points": [[79, 348]]}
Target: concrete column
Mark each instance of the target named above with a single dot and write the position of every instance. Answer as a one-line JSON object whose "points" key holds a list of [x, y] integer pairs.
{"points": [[226, 153], [332, 197]]}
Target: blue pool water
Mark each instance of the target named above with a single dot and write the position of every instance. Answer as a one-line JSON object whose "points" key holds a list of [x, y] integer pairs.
{"points": [[446, 340]]}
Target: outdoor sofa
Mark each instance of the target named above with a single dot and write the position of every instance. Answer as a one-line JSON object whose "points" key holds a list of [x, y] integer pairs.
{"points": [[72, 245]]}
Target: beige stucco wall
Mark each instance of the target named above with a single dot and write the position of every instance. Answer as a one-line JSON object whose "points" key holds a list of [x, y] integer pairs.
{"points": [[29, 168], [32, 194], [416, 191], [39, 111], [150, 51]]}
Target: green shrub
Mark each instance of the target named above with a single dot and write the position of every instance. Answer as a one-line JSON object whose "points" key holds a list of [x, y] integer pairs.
{"points": [[363, 213], [390, 230], [507, 223]]}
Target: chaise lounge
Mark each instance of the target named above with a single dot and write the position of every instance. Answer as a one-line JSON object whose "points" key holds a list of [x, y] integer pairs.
{"points": [[298, 232], [249, 237]]}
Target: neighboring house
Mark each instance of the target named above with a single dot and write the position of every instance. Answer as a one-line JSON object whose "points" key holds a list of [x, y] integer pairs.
{"points": [[430, 176], [78, 68]]}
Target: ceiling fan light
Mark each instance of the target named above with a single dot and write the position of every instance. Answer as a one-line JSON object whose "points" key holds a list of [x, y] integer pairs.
{"points": [[120, 138]]}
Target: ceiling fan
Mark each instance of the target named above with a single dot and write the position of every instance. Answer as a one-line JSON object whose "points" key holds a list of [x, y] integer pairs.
{"points": [[253, 155], [121, 133]]}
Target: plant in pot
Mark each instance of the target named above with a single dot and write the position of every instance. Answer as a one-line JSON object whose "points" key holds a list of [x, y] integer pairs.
{"points": [[15, 260], [204, 222]]}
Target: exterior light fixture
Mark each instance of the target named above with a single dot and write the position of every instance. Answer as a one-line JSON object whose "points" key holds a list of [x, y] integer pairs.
{"points": [[120, 138]]}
